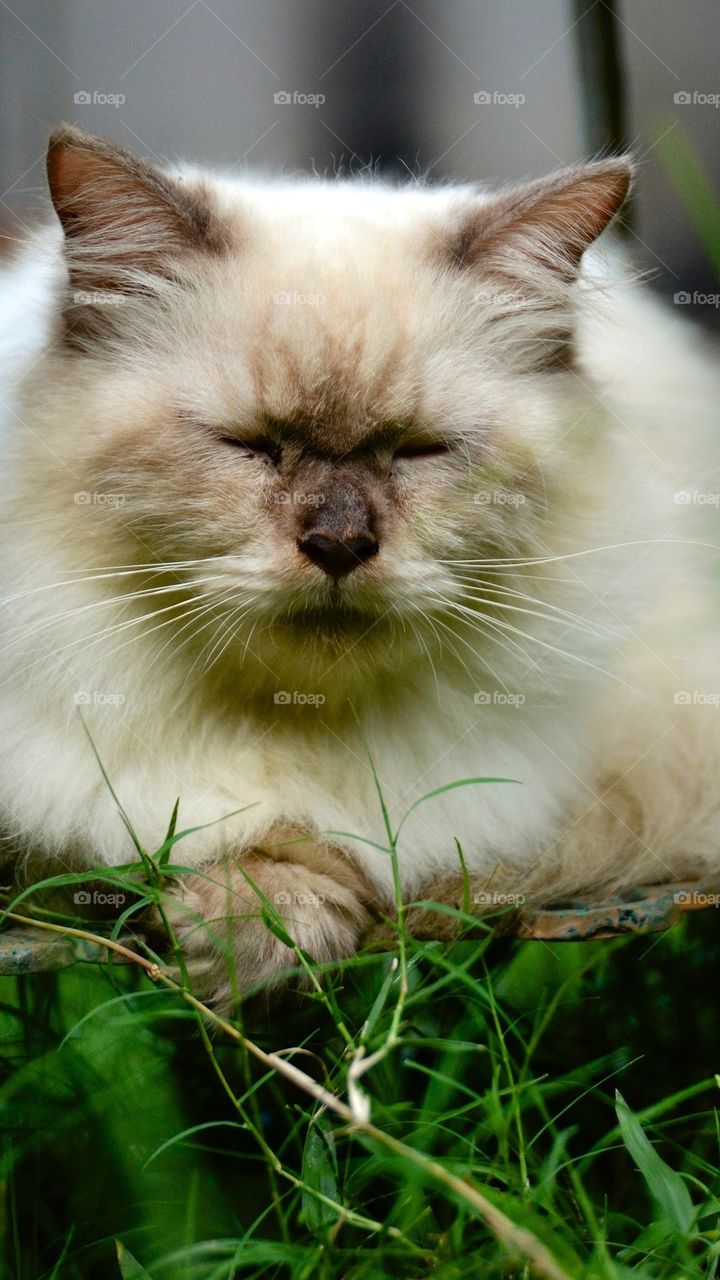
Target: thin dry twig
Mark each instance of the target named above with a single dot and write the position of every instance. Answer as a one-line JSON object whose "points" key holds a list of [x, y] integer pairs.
{"points": [[515, 1239]]}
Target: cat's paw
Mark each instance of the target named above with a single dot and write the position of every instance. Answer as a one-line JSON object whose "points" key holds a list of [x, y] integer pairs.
{"points": [[235, 921]]}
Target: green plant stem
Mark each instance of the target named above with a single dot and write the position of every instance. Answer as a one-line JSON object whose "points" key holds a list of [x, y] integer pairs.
{"points": [[516, 1240]]}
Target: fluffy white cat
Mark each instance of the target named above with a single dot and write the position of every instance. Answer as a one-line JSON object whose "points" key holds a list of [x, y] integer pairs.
{"points": [[303, 474]]}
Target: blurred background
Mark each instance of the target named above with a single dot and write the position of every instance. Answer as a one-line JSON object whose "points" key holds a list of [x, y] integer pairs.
{"points": [[455, 89]]}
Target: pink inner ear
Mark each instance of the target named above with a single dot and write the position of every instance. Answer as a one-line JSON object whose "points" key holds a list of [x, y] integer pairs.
{"points": [[551, 221], [126, 225], [69, 168], [96, 190]]}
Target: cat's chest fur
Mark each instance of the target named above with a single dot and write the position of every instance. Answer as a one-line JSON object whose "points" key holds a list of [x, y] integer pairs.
{"points": [[245, 773]]}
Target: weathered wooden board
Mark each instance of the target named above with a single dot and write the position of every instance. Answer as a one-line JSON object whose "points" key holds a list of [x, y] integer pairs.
{"points": [[646, 910], [651, 909], [27, 950]]}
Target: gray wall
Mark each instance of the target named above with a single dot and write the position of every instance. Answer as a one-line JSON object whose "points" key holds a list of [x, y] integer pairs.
{"points": [[199, 81]]}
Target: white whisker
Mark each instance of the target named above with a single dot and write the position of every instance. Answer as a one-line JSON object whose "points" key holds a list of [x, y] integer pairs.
{"points": [[59, 618], [114, 571], [528, 635], [499, 562], [565, 618]]}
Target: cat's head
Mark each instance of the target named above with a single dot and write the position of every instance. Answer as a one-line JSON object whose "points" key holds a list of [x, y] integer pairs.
{"points": [[337, 397]]}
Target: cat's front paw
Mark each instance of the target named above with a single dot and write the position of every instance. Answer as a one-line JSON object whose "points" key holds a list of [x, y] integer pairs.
{"points": [[241, 924]]}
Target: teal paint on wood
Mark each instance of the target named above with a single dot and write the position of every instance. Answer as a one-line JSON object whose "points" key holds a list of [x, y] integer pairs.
{"points": [[650, 909]]}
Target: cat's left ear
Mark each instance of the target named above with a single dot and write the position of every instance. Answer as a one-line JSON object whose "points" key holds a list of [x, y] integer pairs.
{"points": [[126, 223], [547, 224]]}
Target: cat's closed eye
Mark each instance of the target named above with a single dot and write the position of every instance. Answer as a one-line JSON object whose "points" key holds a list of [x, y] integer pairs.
{"points": [[260, 447], [423, 449]]}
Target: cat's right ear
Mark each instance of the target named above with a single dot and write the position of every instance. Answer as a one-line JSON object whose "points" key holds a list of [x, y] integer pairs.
{"points": [[126, 223], [540, 230]]}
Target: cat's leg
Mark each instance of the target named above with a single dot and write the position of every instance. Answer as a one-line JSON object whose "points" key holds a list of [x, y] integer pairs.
{"points": [[220, 916]]}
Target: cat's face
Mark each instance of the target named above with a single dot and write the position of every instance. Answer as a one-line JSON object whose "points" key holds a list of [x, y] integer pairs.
{"points": [[335, 398]]}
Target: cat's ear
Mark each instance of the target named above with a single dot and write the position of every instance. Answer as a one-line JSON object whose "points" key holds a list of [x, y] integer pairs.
{"points": [[125, 221], [547, 224]]}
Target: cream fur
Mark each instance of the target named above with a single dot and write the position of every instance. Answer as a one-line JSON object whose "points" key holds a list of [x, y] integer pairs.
{"points": [[597, 454]]}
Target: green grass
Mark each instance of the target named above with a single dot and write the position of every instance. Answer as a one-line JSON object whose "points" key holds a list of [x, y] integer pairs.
{"points": [[136, 1144], [491, 1109]]}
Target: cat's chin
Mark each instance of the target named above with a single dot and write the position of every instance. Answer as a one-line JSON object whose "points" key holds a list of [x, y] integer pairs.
{"points": [[330, 623], [331, 618]]}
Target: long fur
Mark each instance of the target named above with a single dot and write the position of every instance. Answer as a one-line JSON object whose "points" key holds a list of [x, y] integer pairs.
{"points": [[540, 599]]}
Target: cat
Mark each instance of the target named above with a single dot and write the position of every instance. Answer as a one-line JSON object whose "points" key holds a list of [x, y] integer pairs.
{"points": [[323, 495]]}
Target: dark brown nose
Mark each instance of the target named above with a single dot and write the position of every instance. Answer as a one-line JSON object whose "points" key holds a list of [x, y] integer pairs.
{"points": [[338, 556]]}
